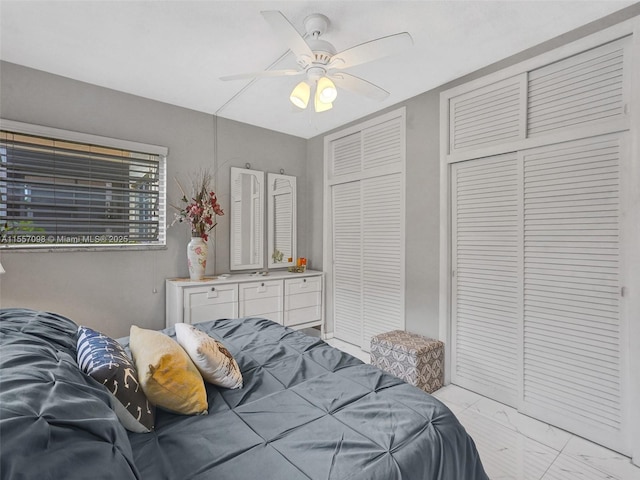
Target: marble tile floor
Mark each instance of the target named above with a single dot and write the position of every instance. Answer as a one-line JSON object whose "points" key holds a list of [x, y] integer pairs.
{"points": [[513, 446]]}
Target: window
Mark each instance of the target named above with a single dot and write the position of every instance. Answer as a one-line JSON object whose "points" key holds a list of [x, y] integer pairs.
{"points": [[62, 189]]}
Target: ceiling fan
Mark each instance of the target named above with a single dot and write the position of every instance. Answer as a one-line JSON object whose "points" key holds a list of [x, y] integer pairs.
{"points": [[321, 65]]}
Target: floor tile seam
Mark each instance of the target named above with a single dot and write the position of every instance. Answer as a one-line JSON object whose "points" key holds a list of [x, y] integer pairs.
{"points": [[557, 452], [571, 435], [599, 468], [555, 459], [513, 428], [554, 451], [464, 408]]}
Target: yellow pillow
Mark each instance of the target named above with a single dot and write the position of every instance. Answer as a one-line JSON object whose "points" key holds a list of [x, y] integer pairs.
{"points": [[167, 375]]}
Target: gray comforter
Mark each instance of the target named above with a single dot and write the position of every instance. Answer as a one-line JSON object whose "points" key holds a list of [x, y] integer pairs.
{"points": [[306, 411]]}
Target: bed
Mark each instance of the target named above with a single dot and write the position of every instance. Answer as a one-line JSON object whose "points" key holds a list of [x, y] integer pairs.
{"points": [[305, 411]]}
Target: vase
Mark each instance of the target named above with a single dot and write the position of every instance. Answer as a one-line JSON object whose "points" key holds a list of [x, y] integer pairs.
{"points": [[197, 250]]}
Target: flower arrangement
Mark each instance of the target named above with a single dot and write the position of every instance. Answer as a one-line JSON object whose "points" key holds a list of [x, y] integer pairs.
{"points": [[199, 211]]}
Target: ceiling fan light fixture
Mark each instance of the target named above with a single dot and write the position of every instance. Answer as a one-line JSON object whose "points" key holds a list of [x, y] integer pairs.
{"points": [[327, 91], [300, 95], [319, 105]]}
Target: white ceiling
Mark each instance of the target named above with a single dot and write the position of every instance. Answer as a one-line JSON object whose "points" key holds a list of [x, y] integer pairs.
{"points": [[175, 51]]}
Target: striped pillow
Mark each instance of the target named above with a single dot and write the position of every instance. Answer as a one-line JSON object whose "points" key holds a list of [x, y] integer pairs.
{"points": [[106, 361]]}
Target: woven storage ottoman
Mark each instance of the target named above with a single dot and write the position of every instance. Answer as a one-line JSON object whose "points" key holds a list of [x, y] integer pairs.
{"points": [[417, 360]]}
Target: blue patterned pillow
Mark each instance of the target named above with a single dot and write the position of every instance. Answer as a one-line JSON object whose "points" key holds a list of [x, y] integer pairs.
{"points": [[106, 361]]}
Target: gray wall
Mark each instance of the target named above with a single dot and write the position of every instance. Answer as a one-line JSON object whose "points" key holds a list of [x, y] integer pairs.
{"points": [[265, 150], [422, 274], [111, 290]]}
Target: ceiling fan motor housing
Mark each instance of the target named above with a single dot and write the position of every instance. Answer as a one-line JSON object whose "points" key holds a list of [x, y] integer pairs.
{"points": [[316, 25], [314, 73]]}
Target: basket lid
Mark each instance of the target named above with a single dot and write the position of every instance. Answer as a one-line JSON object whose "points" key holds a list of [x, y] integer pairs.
{"points": [[406, 342]]}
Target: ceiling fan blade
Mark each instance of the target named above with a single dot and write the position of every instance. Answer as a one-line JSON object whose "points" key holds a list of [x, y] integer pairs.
{"points": [[287, 33], [358, 85], [366, 52], [266, 73]]}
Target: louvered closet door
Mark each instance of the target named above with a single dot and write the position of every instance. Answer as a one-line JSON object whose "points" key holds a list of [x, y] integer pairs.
{"points": [[486, 285], [382, 256], [346, 199], [573, 375]]}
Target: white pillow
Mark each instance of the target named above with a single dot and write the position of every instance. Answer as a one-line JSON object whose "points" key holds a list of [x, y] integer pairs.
{"points": [[212, 359]]}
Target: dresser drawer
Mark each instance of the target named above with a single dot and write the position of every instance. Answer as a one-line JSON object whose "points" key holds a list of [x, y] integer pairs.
{"points": [[260, 289], [302, 285], [210, 302], [204, 313], [210, 295], [274, 316], [260, 307], [302, 315], [303, 300]]}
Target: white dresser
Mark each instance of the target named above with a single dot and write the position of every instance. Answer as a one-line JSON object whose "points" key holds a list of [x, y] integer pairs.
{"points": [[292, 299]]}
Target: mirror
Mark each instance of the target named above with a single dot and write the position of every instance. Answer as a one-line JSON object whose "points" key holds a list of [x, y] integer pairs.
{"points": [[247, 219], [281, 194]]}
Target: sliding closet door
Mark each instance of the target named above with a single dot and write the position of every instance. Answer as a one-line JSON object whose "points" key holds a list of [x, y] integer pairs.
{"points": [[573, 329], [536, 297], [486, 285]]}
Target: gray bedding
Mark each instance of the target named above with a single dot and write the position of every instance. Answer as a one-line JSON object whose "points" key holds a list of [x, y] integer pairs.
{"points": [[306, 411]]}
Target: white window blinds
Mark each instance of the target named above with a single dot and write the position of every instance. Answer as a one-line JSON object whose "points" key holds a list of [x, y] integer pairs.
{"points": [[57, 192]]}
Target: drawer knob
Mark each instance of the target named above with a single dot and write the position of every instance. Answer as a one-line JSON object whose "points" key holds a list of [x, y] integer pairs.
{"points": [[213, 289], [304, 280], [262, 284]]}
